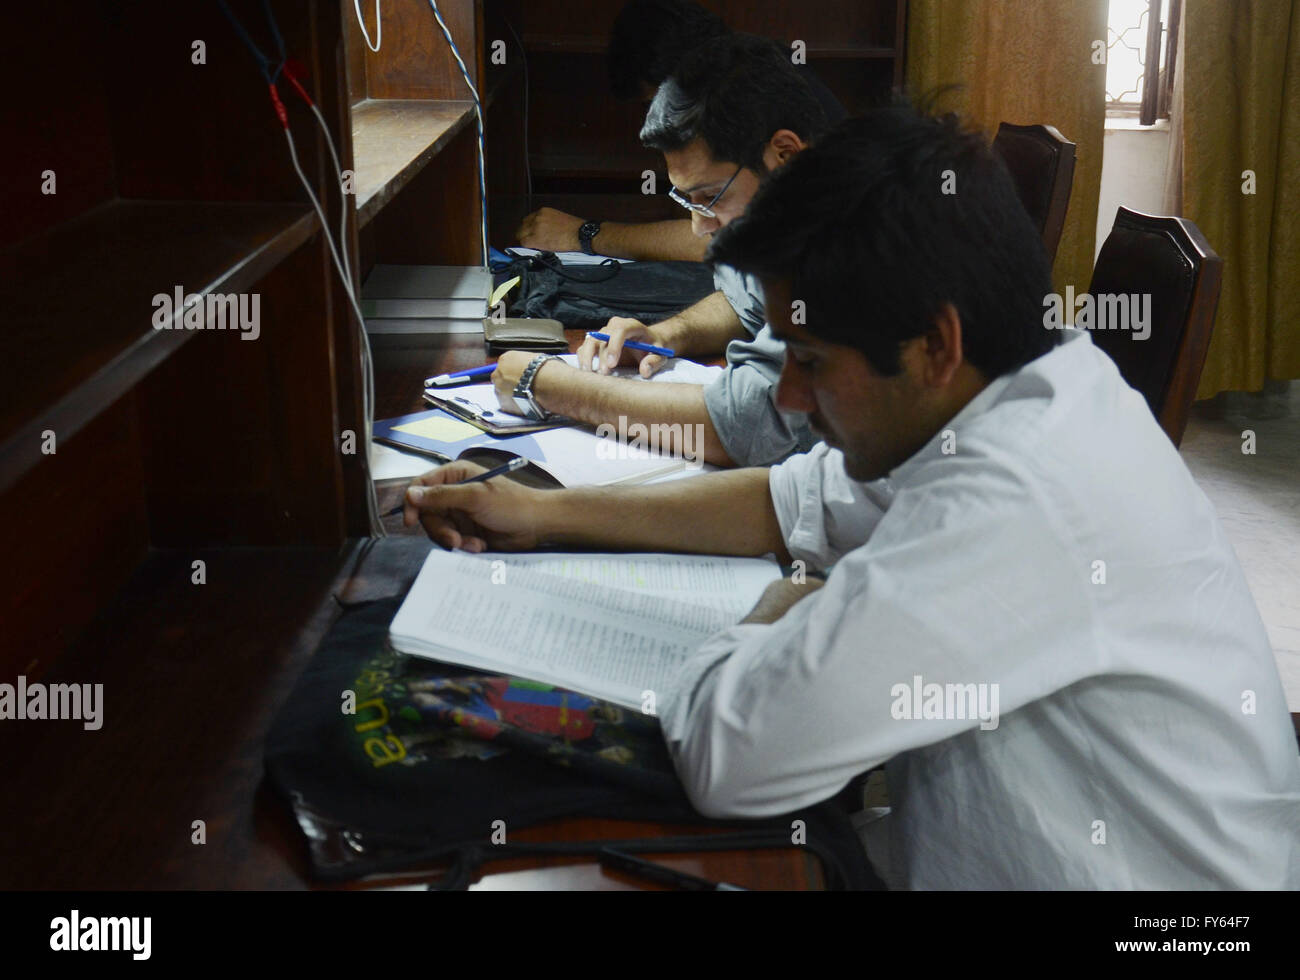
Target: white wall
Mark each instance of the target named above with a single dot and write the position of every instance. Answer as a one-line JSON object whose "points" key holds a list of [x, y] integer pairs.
{"points": [[1132, 170]]}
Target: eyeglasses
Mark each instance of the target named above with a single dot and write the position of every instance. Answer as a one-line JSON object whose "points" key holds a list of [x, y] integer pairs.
{"points": [[704, 209]]}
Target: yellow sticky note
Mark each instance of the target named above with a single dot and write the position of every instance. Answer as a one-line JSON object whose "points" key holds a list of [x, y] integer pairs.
{"points": [[440, 428], [501, 290]]}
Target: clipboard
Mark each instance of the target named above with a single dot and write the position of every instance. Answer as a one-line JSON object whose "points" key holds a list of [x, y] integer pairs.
{"points": [[477, 405]]}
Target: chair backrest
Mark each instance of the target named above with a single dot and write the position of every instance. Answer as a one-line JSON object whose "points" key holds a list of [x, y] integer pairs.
{"points": [[1170, 260], [1041, 162]]}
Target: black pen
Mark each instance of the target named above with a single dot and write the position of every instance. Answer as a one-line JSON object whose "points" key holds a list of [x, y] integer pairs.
{"points": [[518, 463], [661, 874]]}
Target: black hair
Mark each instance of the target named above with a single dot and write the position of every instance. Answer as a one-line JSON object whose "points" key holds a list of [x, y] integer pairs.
{"points": [[887, 218], [650, 38], [734, 93]]}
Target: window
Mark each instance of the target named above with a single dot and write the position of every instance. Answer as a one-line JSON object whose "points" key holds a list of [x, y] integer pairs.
{"points": [[1137, 37]]}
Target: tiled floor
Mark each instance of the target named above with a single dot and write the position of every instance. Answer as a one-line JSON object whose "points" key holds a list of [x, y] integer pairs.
{"points": [[1258, 500]]}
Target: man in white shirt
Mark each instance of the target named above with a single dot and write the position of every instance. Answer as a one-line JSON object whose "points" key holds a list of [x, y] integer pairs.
{"points": [[1031, 612]]}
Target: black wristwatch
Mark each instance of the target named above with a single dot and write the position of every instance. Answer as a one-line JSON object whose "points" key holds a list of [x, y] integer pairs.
{"points": [[586, 233], [525, 401]]}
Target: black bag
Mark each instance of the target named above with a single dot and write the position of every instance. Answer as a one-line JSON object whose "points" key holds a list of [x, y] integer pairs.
{"points": [[434, 756], [585, 296]]}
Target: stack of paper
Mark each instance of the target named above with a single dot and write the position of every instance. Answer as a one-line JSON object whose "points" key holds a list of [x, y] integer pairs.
{"points": [[414, 300]]}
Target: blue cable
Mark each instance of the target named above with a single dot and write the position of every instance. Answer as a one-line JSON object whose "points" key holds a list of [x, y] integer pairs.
{"points": [[263, 62]]}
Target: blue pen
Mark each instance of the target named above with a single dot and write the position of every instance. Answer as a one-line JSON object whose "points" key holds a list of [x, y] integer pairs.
{"points": [[637, 345], [458, 377]]}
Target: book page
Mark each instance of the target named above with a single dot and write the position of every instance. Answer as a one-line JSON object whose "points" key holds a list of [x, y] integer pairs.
{"points": [[546, 619], [726, 585]]}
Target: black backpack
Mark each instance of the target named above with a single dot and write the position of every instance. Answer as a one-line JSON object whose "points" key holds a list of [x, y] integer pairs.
{"points": [[586, 296], [440, 764]]}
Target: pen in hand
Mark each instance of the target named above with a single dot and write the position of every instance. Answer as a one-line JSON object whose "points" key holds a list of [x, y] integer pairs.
{"points": [[637, 345], [518, 463]]}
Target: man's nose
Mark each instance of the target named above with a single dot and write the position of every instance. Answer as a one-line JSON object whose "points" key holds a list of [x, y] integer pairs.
{"points": [[793, 392], [703, 226]]}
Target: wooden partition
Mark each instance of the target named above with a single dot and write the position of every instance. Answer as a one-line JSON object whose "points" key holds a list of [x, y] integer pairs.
{"points": [[414, 134], [153, 160]]}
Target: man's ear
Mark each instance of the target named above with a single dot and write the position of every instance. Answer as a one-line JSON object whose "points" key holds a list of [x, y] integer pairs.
{"points": [[942, 347], [783, 145]]}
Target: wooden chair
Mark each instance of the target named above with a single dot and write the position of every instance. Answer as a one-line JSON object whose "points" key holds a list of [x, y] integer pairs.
{"points": [[1170, 259], [1041, 162]]}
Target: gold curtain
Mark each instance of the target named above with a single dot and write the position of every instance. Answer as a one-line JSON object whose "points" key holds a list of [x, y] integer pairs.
{"points": [[1024, 62], [1241, 104]]}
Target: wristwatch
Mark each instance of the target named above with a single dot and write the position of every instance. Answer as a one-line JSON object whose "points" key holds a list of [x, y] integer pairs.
{"points": [[586, 233], [523, 393]]}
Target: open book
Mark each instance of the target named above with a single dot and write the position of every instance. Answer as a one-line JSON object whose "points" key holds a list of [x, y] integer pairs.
{"points": [[615, 627]]}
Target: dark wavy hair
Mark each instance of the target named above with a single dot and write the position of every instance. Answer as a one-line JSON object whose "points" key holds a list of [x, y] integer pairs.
{"points": [[884, 220], [734, 93]]}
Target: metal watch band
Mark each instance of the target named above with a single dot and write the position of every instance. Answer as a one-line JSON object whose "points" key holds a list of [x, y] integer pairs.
{"points": [[525, 401]]}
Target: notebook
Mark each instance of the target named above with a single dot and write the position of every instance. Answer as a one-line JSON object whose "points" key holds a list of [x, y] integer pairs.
{"points": [[616, 627], [565, 457]]}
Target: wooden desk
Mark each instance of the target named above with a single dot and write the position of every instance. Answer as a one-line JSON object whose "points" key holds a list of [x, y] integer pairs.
{"points": [[193, 677]]}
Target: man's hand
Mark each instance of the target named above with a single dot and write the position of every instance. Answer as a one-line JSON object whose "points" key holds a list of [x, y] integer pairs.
{"points": [[510, 368], [607, 355], [550, 230], [778, 597], [496, 515]]}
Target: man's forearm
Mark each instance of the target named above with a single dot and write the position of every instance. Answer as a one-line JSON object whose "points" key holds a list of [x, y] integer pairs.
{"points": [[704, 329], [651, 241], [675, 415], [715, 513]]}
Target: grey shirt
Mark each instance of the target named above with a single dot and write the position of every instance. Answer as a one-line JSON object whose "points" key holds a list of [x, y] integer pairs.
{"points": [[742, 402]]}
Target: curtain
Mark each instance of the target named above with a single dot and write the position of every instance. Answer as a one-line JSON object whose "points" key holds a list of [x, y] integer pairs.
{"points": [[1241, 112], [1024, 62]]}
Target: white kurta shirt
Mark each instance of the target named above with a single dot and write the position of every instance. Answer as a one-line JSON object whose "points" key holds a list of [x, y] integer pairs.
{"points": [[1063, 553]]}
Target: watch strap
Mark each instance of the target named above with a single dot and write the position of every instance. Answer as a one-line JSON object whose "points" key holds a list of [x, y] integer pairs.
{"points": [[586, 233], [525, 401]]}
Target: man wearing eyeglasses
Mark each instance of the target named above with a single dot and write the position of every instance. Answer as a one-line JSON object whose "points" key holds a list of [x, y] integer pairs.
{"points": [[731, 114]]}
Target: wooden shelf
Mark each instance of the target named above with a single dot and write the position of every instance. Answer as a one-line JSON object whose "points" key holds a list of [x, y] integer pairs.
{"points": [[192, 679], [393, 139], [589, 44], [78, 304], [622, 166]]}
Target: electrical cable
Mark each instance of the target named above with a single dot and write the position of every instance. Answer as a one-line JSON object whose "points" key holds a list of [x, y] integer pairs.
{"points": [[367, 355], [291, 73], [367, 368], [263, 62], [342, 266], [379, 25], [478, 110]]}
